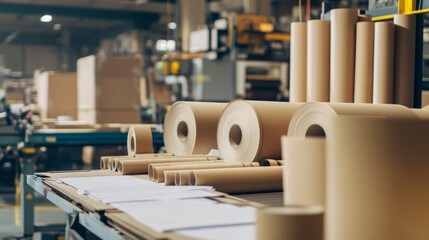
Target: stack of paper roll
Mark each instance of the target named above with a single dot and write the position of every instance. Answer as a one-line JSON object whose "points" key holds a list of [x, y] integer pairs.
{"points": [[365, 62], [190, 127], [249, 131], [372, 152]]}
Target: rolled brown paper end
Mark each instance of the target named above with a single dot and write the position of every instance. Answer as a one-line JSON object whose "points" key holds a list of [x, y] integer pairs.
{"points": [[182, 178], [189, 127], [249, 131], [170, 178], [151, 172], [139, 140], [290, 223], [239, 180], [103, 161]]}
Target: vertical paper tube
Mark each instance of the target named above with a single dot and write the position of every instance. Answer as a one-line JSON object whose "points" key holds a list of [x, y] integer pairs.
{"points": [[298, 62], [364, 62], [304, 171], [343, 30], [384, 47], [290, 223], [405, 47], [318, 61]]}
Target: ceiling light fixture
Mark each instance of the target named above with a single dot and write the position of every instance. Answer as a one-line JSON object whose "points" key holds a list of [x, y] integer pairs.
{"points": [[46, 18], [172, 25]]}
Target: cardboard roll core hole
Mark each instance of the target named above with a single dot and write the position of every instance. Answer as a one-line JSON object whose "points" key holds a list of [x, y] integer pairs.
{"points": [[235, 136], [182, 131], [315, 131]]}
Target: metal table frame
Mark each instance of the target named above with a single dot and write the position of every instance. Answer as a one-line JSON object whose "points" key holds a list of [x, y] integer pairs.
{"points": [[75, 215], [46, 139]]}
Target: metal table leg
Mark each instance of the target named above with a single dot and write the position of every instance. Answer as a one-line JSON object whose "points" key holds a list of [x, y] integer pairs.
{"points": [[27, 196]]}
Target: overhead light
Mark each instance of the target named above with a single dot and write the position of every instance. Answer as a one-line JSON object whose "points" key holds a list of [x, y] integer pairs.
{"points": [[46, 18], [57, 26], [172, 25]]}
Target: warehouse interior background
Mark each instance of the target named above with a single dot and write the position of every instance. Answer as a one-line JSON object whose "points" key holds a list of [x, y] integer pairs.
{"points": [[193, 50]]}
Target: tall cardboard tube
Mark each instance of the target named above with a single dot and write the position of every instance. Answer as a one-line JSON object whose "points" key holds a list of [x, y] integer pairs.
{"points": [[318, 56], [384, 53], [343, 32], [364, 62], [304, 171], [139, 140], [190, 127], [250, 131], [158, 171], [290, 223], [239, 180], [128, 167], [298, 62], [405, 50]]}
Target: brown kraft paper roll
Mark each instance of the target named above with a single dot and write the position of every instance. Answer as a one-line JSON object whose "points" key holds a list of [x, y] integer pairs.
{"points": [[250, 131], [271, 162], [364, 62], [128, 167], [190, 127], [304, 171], [343, 31], [318, 56], [182, 176], [114, 162], [298, 62], [313, 119], [290, 223], [384, 53], [239, 180], [158, 172], [139, 140], [380, 167], [104, 160], [405, 50]]}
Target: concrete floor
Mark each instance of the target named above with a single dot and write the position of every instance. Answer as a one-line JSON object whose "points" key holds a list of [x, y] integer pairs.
{"points": [[10, 218]]}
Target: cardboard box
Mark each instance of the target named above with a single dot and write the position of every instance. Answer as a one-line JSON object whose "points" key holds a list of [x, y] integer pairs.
{"points": [[109, 83], [57, 94], [93, 116], [425, 98]]}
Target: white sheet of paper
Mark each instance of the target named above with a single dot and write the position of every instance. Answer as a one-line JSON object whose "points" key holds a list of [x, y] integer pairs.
{"points": [[234, 232], [185, 214], [110, 189]]}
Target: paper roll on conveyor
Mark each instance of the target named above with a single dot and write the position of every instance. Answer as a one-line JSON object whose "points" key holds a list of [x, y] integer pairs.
{"points": [[239, 180], [250, 131], [190, 127], [135, 166], [139, 140]]}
